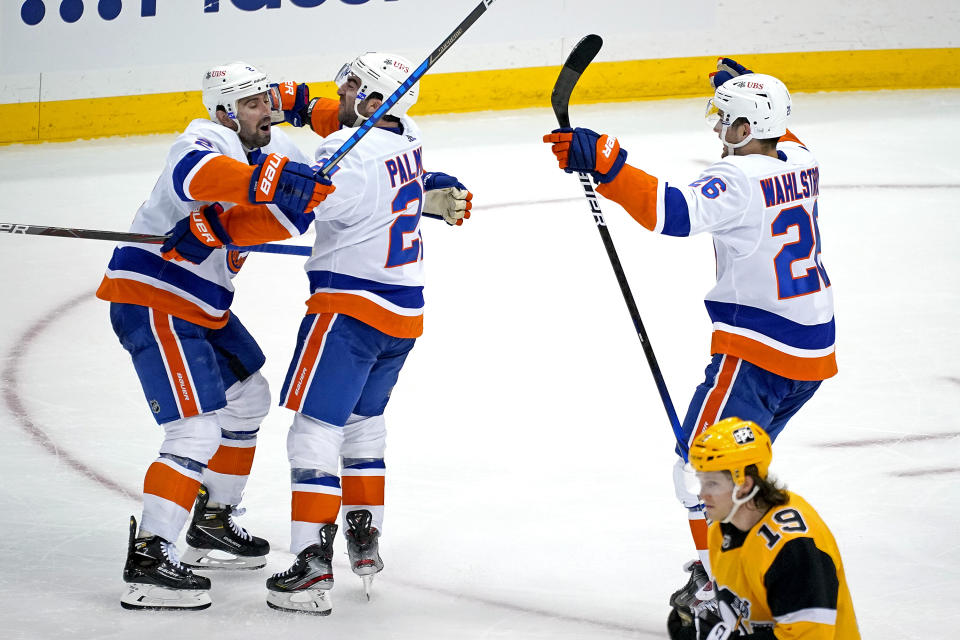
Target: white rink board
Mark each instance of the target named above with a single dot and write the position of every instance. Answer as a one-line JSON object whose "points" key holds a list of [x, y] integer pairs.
{"points": [[151, 46]]}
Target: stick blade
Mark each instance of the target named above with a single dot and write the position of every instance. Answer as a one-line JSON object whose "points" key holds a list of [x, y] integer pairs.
{"points": [[580, 57]]}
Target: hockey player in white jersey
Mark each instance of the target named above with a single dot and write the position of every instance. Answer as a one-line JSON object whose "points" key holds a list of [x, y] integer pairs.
{"points": [[772, 306], [197, 364], [363, 316]]}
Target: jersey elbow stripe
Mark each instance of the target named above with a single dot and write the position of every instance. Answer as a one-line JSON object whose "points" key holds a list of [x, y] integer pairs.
{"points": [[772, 359], [186, 169], [814, 615], [673, 218]]}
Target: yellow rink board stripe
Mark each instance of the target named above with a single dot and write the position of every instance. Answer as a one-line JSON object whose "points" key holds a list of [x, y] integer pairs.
{"points": [[511, 89]]}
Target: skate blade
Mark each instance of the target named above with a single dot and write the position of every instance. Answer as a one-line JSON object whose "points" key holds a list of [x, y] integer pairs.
{"points": [[152, 597], [311, 601], [368, 585], [208, 559]]}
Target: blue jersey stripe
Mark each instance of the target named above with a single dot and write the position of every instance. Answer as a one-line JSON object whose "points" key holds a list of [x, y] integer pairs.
{"points": [[794, 334], [400, 295], [676, 216], [151, 265], [183, 169]]}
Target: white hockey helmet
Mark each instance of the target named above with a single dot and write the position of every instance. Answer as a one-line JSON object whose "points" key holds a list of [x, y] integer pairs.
{"points": [[225, 84], [381, 73], [763, 100]]}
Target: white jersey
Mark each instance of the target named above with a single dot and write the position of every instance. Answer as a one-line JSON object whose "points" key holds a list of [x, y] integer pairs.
{"points": [[772, 304], [202, 160], [367, 261]]}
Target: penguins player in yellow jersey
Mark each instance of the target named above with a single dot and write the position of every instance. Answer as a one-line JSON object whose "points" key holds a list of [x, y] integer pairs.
{"points": [[776, 566]]}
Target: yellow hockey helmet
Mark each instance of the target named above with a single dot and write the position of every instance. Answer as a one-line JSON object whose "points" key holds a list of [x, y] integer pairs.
{"points": [[732, 445]]}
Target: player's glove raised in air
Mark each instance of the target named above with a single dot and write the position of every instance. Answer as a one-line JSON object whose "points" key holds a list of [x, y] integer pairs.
{"points": [[289, 102], [290, 185], [446, 197], [195, 237], [585, 151], [727, 68]]}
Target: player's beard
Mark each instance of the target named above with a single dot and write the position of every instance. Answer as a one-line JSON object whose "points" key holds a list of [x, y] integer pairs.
{"points": [[254, 136], [346, 113]]}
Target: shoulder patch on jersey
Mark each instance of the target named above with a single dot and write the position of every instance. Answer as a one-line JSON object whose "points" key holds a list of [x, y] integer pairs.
{"points": [[203, 142], [801, 577]]}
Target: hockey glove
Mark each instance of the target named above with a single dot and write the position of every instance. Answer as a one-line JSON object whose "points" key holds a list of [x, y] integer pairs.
{"points": [[727, 68], [289, 102], [446, 197], [290, 185], [585, 151], [195, 237]]}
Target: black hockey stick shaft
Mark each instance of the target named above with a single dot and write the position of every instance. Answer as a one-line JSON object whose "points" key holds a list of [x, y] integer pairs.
{"points": [[578, 60], [123, 236], [411, 80]]}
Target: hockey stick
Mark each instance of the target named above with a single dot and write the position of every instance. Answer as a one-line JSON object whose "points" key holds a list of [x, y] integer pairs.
{"points": [[418, 73], [581, 56], [122, 236]]}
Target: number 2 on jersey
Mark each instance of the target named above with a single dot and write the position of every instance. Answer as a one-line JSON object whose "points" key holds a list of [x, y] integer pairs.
{"points": [[806, 245], [402, 250]]}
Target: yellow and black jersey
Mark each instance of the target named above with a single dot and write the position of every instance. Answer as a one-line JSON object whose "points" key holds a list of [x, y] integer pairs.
{"points": [[784, 574]]}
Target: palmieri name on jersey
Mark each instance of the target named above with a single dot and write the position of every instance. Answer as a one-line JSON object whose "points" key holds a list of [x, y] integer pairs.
{"points": [[402, 171]]}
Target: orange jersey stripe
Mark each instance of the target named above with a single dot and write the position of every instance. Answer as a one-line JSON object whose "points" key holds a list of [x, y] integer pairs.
{"points": [[235, 461], [133, 292], [635, 191], [164, 482], [780, 363], [252, 224], [221, 179], [321, 508], [323, 117], [711, 408], [308, 360], [176, 367], [363, 490], [368, 312]]}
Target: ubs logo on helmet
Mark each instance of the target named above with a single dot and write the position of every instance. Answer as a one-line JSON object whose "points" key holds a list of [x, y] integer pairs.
{"points": [[32, 12]]}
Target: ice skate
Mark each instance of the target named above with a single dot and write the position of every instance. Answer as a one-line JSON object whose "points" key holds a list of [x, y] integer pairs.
{"points": [[695, 595], [157, 580], [216, 541], [363, 547], [304, 587]]}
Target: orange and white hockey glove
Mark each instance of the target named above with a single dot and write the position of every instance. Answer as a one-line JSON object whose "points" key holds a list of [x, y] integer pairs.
{"points": [[585, 151], [289, 102]]}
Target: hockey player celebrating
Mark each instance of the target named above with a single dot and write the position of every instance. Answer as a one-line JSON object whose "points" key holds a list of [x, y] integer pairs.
{"points": [[772, 306], [198, 365], [363, 317], [777, 568]]}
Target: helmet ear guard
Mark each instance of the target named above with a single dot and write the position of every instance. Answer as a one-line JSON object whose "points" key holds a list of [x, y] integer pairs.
{"points": [[224, 85]]}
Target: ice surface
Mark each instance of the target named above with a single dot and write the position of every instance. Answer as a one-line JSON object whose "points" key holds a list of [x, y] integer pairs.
{"points": [[529, 488]]}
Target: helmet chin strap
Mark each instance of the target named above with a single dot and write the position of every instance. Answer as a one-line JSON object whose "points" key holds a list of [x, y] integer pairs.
{"points": [[731, 145], [738, 502]]}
